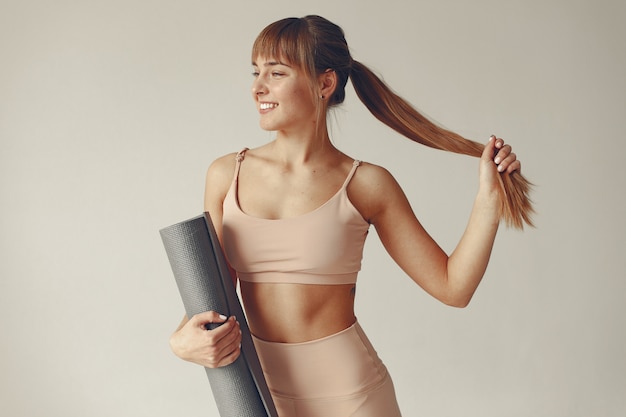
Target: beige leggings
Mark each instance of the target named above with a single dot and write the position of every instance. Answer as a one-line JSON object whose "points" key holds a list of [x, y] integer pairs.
{"points": [[336, 376]]}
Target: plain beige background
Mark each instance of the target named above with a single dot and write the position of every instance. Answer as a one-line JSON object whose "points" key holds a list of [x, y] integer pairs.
{"points": [[111, 111]]}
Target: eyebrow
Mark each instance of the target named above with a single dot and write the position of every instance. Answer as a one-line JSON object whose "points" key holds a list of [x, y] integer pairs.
{"points": [[271, 64]]}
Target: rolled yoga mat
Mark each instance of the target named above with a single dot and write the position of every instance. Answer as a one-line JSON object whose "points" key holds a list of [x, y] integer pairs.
{"points": [[204, 283]]}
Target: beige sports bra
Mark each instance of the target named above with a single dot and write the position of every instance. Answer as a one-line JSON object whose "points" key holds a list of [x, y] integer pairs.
{"points": [[324, 246]]}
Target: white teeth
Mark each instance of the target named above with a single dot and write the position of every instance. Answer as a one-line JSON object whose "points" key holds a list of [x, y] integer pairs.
{"points": [[265, 106]]}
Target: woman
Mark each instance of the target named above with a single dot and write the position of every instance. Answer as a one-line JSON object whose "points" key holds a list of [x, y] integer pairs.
{"points": [[293, 215]]}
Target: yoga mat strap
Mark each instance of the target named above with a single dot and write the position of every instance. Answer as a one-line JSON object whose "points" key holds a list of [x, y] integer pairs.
{"points": [[204, 282]]}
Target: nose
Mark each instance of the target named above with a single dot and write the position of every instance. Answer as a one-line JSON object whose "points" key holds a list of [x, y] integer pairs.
{"points": [[258, 87]]}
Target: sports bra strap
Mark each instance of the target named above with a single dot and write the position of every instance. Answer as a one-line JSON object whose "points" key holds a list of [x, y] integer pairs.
{"points": [[241, 154], [238, 158], [355, 165]]}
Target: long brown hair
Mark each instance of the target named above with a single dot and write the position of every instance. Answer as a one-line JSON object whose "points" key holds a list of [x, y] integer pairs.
{"points": [[315, 45]]}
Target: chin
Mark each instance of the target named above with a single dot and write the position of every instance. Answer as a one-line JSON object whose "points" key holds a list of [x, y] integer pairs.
{"points": [[269, 127]]}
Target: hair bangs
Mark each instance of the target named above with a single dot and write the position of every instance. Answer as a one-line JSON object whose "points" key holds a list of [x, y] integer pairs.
{"points": [[288, 41]]}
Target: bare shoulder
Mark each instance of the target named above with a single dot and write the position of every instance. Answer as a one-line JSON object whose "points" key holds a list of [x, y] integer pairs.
{"points": [[372, 188], [222, 169], [373, 175], [218, 179]]}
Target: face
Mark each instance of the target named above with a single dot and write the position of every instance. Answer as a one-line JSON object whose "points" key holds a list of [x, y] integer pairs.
{"points": [[283, 96]]}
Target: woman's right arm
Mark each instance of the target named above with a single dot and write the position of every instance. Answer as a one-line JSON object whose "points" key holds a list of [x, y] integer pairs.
{"points": [[192, 341]]}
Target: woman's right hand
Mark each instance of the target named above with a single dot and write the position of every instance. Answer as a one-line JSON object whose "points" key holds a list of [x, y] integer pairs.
{"points": [[210, 348]]}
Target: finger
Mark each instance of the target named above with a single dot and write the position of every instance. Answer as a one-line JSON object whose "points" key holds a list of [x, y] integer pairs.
{"points": [[216, 332], [225, 359], [504, 164], [490, 149], [504, 158], [502, 153], [514, 166], [207, 317], [222, 346], [231, 357], [229, 343], [225, 335]]}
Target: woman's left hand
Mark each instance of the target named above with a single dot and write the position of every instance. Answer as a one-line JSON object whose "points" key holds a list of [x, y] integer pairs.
{"points": [[497, 158]]}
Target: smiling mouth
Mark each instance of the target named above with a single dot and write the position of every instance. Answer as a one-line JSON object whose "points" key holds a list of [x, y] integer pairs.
{"points": [[267, 106]]}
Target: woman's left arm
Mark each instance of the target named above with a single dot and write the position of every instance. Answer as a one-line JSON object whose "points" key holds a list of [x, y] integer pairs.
{"points": [[468, 262], [451, 279]]}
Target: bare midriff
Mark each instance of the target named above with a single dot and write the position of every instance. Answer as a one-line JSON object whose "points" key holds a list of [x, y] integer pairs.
{"points": [[294, 313]]}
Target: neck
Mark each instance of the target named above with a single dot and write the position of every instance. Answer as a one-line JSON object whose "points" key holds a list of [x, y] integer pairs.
{"points": [[302, 147]]}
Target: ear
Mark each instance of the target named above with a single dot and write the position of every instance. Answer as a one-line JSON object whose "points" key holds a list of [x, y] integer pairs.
{"points": [[327, 82]]}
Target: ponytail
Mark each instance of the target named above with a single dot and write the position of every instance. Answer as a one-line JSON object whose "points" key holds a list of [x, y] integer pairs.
{"points": [[515, 204]]}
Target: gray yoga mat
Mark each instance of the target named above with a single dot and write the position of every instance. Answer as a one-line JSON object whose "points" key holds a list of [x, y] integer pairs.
{"points": [[204, 283]]}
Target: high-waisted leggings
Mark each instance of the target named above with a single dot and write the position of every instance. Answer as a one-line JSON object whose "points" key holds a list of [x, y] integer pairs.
{"points": [[336, 376]]}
